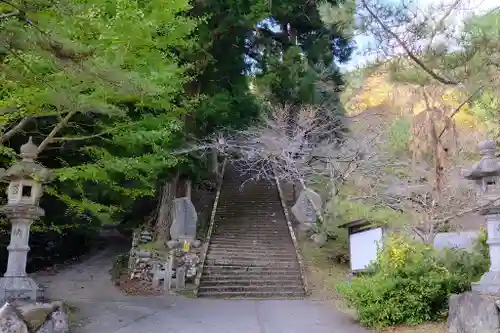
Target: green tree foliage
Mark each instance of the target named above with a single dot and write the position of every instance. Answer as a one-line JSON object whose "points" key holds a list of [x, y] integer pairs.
{"points": [[220, 67], [468, 58], [114, 87], [296, 54], [104, 79]]}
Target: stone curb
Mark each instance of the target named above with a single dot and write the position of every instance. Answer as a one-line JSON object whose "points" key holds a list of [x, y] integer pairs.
{"points": [[210, 229], [293, 236]]}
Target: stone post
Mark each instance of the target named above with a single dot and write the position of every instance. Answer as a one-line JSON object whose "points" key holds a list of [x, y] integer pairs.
{"points": [[25, 189], [486, 174]]}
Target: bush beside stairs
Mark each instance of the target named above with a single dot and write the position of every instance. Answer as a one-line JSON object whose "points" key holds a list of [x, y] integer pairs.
{"points": [[251, 253]]}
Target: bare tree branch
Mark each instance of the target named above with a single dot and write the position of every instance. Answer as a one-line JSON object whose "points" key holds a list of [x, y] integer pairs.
{"points": [[7, 15], [14, 130], [60, 125]]}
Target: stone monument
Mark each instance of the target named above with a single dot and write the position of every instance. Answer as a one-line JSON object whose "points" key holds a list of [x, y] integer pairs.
{"points": [[486, 174], [24, 192], [183, 227], [304, 211], [458, 240]]}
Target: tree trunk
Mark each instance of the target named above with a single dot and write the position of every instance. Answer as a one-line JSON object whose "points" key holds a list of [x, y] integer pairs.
{"points": [[164, 219], [188, 187]]}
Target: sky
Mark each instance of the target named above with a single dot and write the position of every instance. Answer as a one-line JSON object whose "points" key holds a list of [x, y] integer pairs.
{"points": [[361, 57]]}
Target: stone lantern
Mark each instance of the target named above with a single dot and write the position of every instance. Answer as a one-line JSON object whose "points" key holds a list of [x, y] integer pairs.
{"points": [[25, 180], [486, 174]]}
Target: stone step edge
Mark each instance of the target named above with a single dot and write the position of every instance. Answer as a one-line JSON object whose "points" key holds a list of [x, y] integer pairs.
{"points": [[254, 294], [250, 277], [215, 282], [261, 287]]}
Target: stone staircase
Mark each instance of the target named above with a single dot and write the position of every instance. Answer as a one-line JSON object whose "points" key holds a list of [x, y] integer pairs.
{"points": [[251, 253]]}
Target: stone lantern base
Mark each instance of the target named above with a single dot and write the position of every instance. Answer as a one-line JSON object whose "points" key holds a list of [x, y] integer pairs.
{"points": [[19, 288], [489, 284]]}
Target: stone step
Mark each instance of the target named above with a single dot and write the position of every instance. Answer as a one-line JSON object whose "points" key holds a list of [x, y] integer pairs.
{"points": [[251, 231], [253, 295], [252, 191], [251, 208], [252, 244], [250, 239], [282, 230], [261, 197], [251, 283], [251, 247], [241, 227], [251, 235], [255, 256], [296, 288], [248, 206], [248, 268], [220, 242], [250, 251], [214, 277], [259, 246], [253, 262], [235, 224], [258, 219]]}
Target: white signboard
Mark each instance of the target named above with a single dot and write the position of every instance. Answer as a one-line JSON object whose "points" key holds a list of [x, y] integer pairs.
{"points": [[363, 247], [460, 240]]}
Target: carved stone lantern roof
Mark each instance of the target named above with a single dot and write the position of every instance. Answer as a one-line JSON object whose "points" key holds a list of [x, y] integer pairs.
{"points": [[488, 166], [27, 168]]}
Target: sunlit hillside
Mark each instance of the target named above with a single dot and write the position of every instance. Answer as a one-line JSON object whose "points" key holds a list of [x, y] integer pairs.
{"points": [[377, 94]]}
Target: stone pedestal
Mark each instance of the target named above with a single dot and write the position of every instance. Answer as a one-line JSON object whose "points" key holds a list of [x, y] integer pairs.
{"points": [[473, 313], [16, 284], [490, 281]]}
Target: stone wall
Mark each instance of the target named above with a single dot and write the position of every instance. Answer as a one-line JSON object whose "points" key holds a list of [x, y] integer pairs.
{"points": [[149, 265]]}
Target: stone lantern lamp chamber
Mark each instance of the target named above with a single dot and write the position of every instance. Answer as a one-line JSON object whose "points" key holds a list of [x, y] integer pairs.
{"points": [[25, 179], [486, 174]]}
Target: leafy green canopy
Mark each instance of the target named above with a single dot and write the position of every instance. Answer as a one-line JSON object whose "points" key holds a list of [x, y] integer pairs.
{"points": [[297, 52], [105, 76]]}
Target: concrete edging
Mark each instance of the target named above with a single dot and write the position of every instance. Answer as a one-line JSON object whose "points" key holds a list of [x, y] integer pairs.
{"points": [[210, 229], [298, 252]]}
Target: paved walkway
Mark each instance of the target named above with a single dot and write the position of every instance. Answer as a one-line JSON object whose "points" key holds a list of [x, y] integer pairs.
{"points": [[103, 309]]}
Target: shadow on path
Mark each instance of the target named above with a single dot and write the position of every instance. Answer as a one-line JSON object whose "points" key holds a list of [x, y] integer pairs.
{"points": [[102, 308]]}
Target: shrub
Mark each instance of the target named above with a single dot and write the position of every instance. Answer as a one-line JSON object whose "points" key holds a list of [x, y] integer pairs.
{"points": [[467, 266], [410, 284]]}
